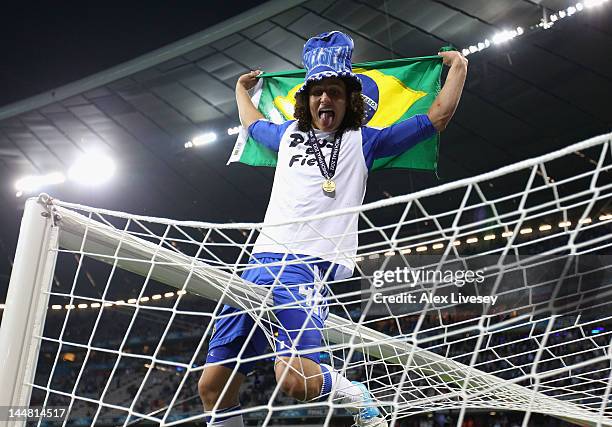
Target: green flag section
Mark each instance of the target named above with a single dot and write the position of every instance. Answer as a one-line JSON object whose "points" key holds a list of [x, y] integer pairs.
{"points": [[393, 91]]}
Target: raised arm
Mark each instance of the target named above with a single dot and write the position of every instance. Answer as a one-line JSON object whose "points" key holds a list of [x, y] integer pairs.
{"points": [[445, 104], [246, 110]]}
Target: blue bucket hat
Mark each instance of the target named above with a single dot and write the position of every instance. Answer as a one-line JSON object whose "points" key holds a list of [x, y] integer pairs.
{"points": [[328, 55]]}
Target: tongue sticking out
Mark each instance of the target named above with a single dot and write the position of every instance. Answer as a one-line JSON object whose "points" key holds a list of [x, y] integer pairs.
{"points": [[327, 118]]}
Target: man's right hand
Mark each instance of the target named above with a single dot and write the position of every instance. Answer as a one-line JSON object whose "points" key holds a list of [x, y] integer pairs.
{"points": [[249, 80], [246, 110]]}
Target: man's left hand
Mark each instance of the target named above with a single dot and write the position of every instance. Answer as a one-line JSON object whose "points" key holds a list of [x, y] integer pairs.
{"points": [[453, 58], [445, 104]]}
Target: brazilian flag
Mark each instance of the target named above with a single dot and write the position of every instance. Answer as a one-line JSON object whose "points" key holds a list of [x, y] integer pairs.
{"points": [[393, 91]]}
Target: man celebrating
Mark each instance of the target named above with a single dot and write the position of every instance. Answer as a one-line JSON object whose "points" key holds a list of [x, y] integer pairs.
{"points": [[324, 157]]}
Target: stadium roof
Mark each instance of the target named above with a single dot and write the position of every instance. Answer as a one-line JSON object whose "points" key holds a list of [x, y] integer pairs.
{"points": [[529, 96]]}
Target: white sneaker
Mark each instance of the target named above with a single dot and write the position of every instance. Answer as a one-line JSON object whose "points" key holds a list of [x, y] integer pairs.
{"points": [[368, 416]]}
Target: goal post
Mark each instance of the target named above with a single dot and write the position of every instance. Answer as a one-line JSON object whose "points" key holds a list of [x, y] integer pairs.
{"points": [[26, 304]]}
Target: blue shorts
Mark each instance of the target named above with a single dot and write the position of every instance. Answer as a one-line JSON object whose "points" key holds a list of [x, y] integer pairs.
{"points": [[300, 296]]}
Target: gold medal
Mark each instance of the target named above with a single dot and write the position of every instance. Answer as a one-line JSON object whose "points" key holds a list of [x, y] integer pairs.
{"points": [[329, 186]]}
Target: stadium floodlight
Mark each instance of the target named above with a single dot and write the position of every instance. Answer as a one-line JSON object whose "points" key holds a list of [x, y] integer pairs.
{"points": [[593, 3], [32, 183], [545, 23], [92, 169], [203, 139], [504, 36], [233, 130]]}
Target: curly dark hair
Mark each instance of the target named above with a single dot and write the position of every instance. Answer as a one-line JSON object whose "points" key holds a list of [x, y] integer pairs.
{"points": [[355, 108]]}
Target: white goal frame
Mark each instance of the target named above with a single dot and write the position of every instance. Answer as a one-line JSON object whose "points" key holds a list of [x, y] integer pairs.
{"points": [[26, 304]]}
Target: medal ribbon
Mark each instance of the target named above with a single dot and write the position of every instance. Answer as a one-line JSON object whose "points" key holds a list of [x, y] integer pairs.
{"points": [[327, 172]]}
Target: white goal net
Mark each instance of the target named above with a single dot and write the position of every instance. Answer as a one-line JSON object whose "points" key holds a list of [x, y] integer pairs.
{"points": [[489, 295]]}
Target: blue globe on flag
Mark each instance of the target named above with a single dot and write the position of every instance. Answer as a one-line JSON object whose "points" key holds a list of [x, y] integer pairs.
{"points": [[370, 96]]}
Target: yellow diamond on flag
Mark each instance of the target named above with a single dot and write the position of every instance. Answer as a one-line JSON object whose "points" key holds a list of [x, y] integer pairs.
{"points": [[389, 101], [394, 98], [286, 104]]}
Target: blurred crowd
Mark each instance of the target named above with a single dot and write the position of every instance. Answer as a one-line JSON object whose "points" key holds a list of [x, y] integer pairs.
{"points": [[151, 375]]}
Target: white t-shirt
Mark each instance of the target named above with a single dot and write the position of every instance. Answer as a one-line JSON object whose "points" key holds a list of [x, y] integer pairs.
{"points": [[297, 190]]}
